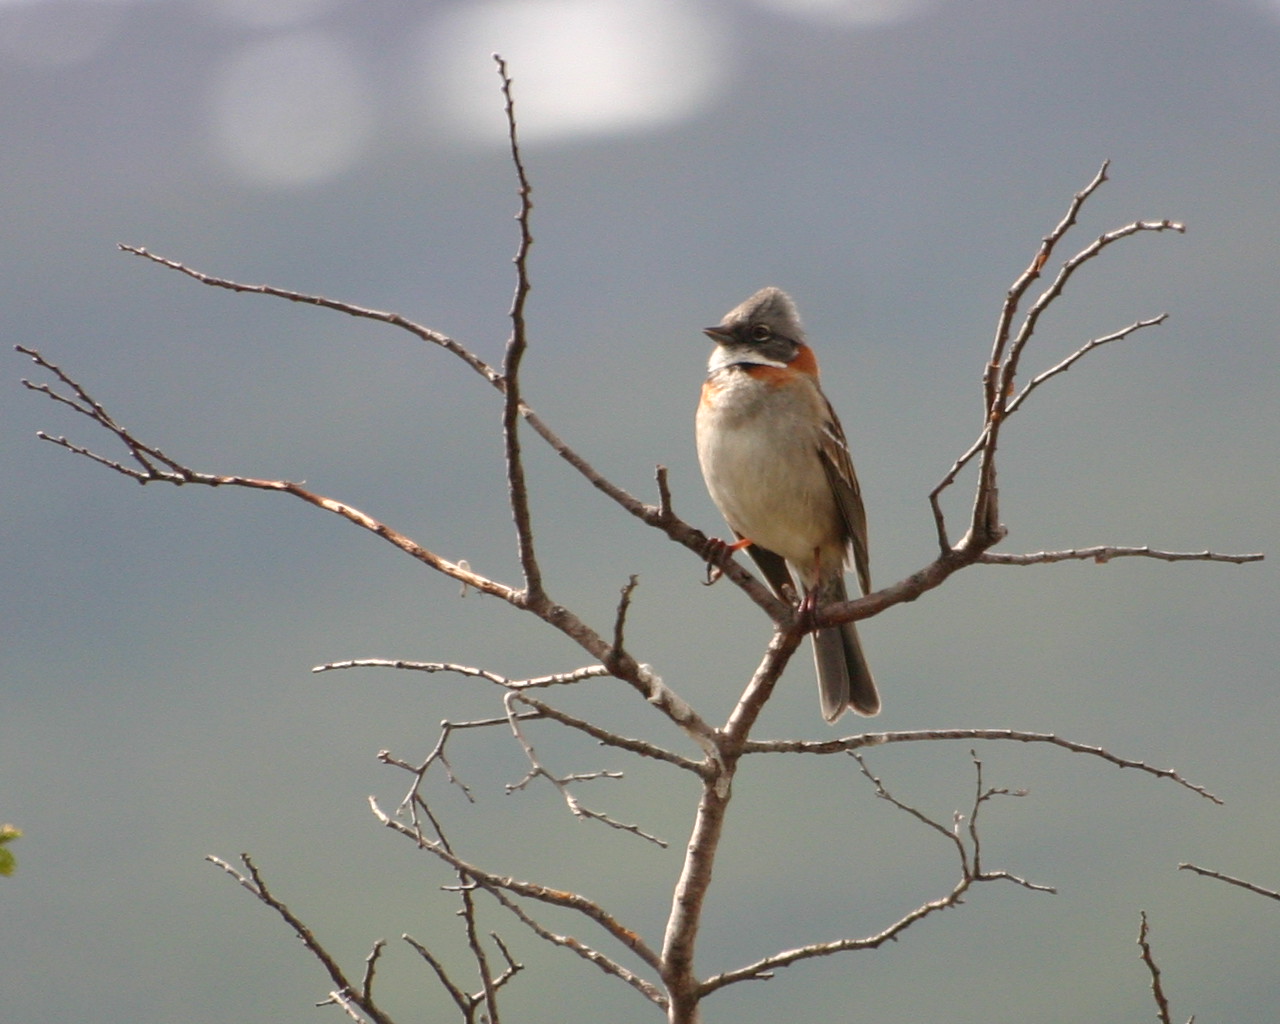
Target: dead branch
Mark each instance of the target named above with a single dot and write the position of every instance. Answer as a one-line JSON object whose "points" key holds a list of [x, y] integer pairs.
{"points": [[1079, 354], [608, 738], [562, 782], [1103, 553], [517, 345], [577, 675], [1157, 989], [496, 884], [359, 997], [1240, 882], [1000, 375], [971, 873], [850, 744]]}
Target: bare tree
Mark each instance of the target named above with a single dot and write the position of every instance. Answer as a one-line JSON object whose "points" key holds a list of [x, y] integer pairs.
{"points": [[661, 969]]}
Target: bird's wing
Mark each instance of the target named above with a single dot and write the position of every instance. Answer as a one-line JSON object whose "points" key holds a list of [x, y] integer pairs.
{"points": [[834, 452]]}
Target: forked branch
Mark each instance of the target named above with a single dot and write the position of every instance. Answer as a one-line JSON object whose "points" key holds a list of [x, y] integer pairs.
{"points": [[965, 840]]}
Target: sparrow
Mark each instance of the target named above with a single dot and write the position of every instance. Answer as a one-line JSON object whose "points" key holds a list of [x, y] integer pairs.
{"points": [[777, 465]]}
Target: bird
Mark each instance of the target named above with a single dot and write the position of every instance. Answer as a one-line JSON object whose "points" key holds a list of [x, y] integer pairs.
{"points": [[776, 464]]}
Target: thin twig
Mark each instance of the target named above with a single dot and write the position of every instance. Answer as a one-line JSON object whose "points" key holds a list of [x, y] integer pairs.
{"points": [[517, 344], [1079, 354], [447, 728], [1103, 553], [255, 884], [544, 894], [1157, 990], [576, 675], [620, 617], [562, 783], [1269, 893], [481, 1005], [592, 956], [490, 374], [1009, 370], [1013, 298], [969, 876], [871, 739], [1000, 375], [461, 999], [612, 739]]}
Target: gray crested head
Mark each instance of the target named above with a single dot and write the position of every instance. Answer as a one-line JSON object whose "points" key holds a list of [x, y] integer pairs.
{"points": [[769, 307], [764, 329]]}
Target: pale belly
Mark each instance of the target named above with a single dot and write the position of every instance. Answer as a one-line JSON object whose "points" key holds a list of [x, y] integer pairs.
{"points": [[771, 490]]}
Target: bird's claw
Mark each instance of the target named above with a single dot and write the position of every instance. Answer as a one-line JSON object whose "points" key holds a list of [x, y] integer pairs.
{"points": [[717, 554]]}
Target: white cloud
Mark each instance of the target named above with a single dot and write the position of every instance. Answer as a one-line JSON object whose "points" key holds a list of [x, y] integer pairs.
{"points": [[290, 110], [850, 12], [581, 67]]}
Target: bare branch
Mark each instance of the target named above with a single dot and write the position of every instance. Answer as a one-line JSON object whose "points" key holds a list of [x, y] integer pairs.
{"points": [[871, 739], [1013, 298], [593, 956], [489, 988], [1269, 893], [612, 739], [970, 874], [346, 992], [1079, 354], [553, 897], [563, 782], [1009, 371], [664, 494], [462, 1000], [517, 344], [1103, 553], [1157, 990], [576, 675], [493, 376], [370, 969], [1000, 375], [982, 796], [468, 1004], [494, 887], [482, 1005], [447, 728], [620, 619]]}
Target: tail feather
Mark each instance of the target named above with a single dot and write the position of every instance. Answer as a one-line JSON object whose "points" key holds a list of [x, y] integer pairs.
{"points": [[844, 679]]}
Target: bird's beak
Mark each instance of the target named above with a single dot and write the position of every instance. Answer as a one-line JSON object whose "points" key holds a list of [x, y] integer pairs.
{"points": [[719, 334]]}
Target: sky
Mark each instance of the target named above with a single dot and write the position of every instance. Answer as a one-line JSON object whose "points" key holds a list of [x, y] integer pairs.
{"points": [[894, 166]]}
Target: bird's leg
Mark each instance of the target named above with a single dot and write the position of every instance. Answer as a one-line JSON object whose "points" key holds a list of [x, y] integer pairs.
{"points": [[807, 610], [717, 554]]}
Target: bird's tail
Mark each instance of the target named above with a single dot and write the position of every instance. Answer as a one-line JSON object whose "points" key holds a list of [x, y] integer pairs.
{"points": [[844, 680]]}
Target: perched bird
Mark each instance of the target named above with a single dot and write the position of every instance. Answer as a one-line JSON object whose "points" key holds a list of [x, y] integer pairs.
{"points": [[777, 465]]}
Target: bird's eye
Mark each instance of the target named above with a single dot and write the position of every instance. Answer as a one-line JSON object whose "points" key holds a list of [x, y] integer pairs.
{"points": [[761, 333]]}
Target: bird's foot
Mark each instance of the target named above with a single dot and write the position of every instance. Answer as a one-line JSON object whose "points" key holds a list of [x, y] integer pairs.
{"points": [[717, 554]]}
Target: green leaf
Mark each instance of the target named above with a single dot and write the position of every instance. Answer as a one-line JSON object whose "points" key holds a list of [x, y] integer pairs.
{"points": [[7, 861]]}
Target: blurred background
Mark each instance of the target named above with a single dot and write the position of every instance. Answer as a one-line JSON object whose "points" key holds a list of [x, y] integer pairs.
{"points": [[893, 164]]}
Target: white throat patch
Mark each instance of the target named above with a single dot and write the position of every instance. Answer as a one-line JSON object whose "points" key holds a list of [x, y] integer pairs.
{"points": [[722, 356]]}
